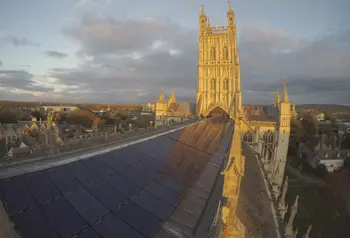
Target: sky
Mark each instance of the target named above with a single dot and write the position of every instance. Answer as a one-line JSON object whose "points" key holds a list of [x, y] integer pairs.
{"points": [[114, 51]]}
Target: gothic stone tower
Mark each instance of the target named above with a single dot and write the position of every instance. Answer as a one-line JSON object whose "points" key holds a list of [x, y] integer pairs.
{"points": [[282, 140], [218, 66]]}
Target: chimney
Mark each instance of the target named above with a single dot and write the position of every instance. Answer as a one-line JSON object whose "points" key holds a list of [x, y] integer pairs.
{"points": [[334, 142], [323, 141]]}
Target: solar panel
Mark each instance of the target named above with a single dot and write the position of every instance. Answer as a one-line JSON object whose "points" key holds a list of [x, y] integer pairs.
{"points": [[63, 217], [88, 233], [175, 183], [112, 227], [107, 195], [164, 193], [124, 186], [99, 167], [139, 218], [41, 187], [16, 195], [86, 205], [136, 177], [115, 163], [83, 174], [32, 224], [153, 205], [63, 179]]}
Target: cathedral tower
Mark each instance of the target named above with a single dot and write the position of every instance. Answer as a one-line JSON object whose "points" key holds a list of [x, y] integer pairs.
{"points": [[218, 66], [282, 140]]}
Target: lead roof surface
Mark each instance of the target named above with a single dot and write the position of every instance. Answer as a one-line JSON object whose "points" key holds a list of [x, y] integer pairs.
{"points": [[129, 192]]}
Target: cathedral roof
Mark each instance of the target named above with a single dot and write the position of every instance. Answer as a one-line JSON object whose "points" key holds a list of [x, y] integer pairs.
{"points": [[183, 107], [257, 113], [135, 191]]}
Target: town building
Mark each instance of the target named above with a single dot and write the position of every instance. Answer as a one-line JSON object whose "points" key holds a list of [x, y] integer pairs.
{"points": [[61, 109], [167, 112], [323, 149]]}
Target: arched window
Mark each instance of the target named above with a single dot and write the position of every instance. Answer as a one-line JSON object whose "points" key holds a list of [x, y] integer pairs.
{"points": [[268, 137], [326, 155], [338, 154], [225, 85], [225, 53], [248, 137], [213, 53], [213, 85]]}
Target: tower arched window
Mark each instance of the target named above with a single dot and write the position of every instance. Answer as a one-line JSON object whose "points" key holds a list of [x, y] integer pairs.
{"points": [[213, 53], [213, 85], [225, 53], [226, 84]]}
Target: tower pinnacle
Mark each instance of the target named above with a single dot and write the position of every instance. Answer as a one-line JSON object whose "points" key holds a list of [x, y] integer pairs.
{"points": [[278, 99], [173, 95], [161, 96], [229, 6], [285, 93], [202, 11]]}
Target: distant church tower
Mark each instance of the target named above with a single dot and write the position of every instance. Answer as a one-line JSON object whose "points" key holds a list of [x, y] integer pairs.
{"points": [[161, 107], [218, 66]]}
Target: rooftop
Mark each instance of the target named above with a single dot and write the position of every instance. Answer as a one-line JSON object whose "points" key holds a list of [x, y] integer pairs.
{"points": [[130, 192]]}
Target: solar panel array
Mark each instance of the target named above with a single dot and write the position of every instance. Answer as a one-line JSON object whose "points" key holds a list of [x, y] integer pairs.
{"points": [[125, 193]]}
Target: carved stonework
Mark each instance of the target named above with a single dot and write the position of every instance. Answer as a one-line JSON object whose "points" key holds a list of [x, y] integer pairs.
{"points": [[289, 227]]}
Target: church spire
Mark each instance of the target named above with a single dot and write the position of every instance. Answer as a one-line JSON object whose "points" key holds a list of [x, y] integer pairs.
{"points": [[161, 97], [173, 95], [229, 6], [285, 93], [293, 105], [278, 98], [202, 11]]}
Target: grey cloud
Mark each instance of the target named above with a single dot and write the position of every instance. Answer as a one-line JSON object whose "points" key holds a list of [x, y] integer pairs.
{"points": [[110, 64], [314, 68], [56, 54], [19, 79], [22, 41], [107, 35], [1, 64]]}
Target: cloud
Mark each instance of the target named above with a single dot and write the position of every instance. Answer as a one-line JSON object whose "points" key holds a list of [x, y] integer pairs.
{"points": [[22, 41], [56, 54], [1, 64], [119, 59], [20, 80], [18, 41], [127, 61], [316, 69]]}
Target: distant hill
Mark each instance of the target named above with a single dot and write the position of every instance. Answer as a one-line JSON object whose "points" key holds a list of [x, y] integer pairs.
{"points": [[324, 106]]}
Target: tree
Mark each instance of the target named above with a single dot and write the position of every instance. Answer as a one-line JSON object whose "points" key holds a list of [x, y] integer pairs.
{"points": [[347, 162], [81, 117], [329, 116], [7, 116], [309, 123], [37, 115], [346, 142], [321, 170]]}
